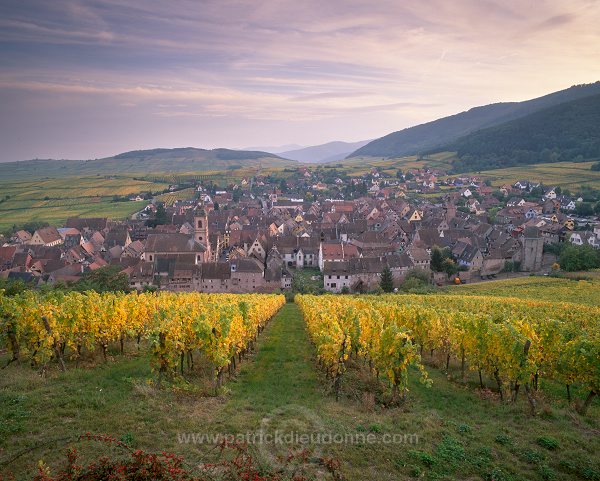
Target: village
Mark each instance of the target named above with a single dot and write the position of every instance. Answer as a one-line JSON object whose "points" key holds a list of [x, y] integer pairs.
{"points": [[256, 235]]}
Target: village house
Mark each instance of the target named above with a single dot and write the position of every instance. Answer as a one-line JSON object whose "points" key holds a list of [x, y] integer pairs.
{"points": [[468, 256], [521, 184], [363, 274], [47, 236], [581, 238], [21, 237], [336, 252], [173, 245]]}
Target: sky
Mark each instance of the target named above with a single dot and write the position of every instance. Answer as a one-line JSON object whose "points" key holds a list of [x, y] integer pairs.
{"points": [[91, 78]]}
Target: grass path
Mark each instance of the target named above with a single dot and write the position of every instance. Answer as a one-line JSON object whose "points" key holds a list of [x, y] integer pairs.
{"points": [[281, 374]]}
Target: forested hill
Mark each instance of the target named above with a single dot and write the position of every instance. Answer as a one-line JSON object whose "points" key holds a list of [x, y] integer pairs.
{"points": [[431, 135], [566, 132], [193, 154]]}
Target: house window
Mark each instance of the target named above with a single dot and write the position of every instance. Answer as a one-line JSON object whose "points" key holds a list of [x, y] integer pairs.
{"points": [[333, 284]]}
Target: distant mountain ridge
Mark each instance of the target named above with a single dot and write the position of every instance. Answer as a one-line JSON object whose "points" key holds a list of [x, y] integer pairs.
{"points": [[329, 152], [432, 135], [276, 149], [195, 153]]}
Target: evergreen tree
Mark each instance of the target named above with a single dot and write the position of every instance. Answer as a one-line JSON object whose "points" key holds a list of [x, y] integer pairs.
{"points": [[161, 215], [387, 280], [160, 218], [283, 185], [436, 259]]}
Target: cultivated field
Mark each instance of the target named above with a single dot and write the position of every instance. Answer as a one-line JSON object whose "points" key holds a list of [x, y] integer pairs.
{"points": [[54, 200], [362, 165], [569, 175], [540, 288], [171, 197], [28, 196]]}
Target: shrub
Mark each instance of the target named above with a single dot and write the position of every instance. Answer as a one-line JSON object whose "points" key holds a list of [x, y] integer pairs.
{"points": [[425, 458], [236, 463], [579, 258], [451, 451], [547, 442]]}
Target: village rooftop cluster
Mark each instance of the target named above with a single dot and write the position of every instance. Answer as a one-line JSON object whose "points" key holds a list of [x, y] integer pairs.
{"points": [[255, 235]]}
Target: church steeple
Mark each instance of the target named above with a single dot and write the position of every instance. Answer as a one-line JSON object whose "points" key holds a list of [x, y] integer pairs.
{"points": [[201, 227]]}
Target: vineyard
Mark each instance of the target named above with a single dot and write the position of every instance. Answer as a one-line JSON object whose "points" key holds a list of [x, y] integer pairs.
{"points": [[513, 341], [54, 200], [166, 353], [62, 326], [171, 197], [540, 288]]}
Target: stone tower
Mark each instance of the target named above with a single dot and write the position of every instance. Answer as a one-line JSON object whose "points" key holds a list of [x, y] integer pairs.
{"points": [[201, 228], [533, 247], [450, 212]]}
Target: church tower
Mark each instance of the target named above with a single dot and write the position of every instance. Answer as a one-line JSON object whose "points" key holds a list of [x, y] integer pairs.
{"points": [[201, 228]]}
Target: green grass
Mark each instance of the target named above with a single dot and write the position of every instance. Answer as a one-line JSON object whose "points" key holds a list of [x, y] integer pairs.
{"points": [[461, 435]]}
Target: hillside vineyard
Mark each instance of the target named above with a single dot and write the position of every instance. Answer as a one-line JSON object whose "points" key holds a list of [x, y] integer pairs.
{"points": [[61, 326], [514, 341]]}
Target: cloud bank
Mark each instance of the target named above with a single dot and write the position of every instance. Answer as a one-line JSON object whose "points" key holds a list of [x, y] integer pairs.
{"points": [[90, 78]]}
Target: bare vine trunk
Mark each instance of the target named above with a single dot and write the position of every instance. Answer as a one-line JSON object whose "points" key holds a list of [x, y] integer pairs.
{"points": [[499, 383], [12, 343], [55, 346], [587, 402]]}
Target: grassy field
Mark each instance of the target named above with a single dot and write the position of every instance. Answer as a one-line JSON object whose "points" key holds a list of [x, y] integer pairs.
{"points": [[569, 175], [538, 288], [462, 433], [55, 196], [565, 174], [53, 200], [356, 166]]}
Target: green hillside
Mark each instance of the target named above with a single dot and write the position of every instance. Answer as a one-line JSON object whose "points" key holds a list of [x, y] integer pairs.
{"points": [[434, 135], [144, 161], [566, 132]]}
